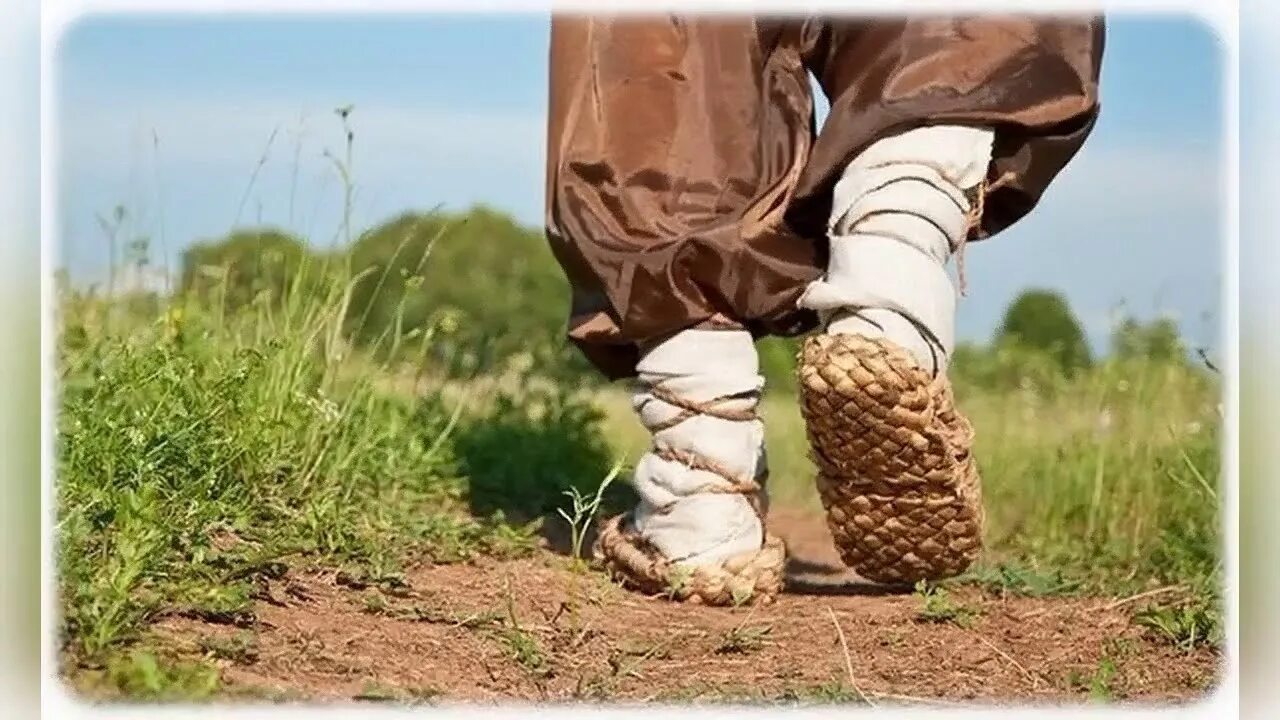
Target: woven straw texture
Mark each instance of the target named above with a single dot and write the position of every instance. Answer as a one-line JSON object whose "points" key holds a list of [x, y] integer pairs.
{"points": [[740, 580], [895, 472]]}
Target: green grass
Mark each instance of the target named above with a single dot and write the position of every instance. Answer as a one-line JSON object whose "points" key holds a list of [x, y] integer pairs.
{"points": [[144, 676], [1013, 579], [523, 647], [1186, 626], [1109, 478], [200, 450]]}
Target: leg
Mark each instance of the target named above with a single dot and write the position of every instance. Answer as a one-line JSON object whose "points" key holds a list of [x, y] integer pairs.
{"points": [[664, 183], [903, 498], [897, 212], [698, 532]]}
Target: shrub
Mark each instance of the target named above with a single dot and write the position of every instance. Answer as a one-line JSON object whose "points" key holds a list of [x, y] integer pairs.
{"points": [[1157, 340], [1042, 320], [244, 265]]}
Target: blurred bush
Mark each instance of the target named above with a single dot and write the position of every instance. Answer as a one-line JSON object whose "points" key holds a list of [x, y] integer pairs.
{"points": [[1041, 320], [778, 363], [236, 269], [496, 283], [1155, 340], [488, 287]]}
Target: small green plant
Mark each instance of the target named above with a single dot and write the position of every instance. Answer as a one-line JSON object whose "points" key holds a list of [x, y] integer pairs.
{"points": [[377, 692], [239, 648], [936, 606], [505, 541], [525, 650], [1015, 579], [1098, 683], [584, 511], [1186, 626], [375, 604], [678, 579], [522, 645], [830, 692], [743, 640], [469, 620], [143, 676]]}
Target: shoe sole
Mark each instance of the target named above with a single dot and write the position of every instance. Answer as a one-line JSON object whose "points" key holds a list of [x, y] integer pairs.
{"points": [[896, 474]]}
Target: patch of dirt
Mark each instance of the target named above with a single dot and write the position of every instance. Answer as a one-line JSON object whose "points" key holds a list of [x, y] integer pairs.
{"points": [[533, 629]]}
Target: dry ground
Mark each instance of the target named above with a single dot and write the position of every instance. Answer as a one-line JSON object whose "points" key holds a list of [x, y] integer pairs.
{"points": [[537, 630]]}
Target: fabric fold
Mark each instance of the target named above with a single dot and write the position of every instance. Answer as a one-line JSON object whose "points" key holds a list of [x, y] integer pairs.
{"points": [[685, 179]]}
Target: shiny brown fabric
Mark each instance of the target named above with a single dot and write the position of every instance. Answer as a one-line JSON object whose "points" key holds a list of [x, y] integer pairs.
{"points": [[687, 184]]}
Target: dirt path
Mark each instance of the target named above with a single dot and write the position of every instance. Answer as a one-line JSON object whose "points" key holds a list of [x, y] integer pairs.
{"points": [[533, 630]]}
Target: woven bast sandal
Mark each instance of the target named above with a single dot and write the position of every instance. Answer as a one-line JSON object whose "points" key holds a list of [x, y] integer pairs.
{"points": [[895, 469], [752, 577], [740, 580]]}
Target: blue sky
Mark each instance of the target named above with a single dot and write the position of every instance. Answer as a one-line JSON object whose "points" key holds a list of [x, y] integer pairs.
{"points": [[171, 117]]}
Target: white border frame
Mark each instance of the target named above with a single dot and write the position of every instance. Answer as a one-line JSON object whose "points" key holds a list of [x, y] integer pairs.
{"points": [[58, 15]]}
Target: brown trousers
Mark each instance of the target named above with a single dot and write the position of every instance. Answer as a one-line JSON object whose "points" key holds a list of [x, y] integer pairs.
{"points": [[686, 181]]}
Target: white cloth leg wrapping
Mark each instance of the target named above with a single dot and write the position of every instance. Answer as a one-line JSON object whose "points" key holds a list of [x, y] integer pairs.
{"points": [[897, 212], [676, 514]]}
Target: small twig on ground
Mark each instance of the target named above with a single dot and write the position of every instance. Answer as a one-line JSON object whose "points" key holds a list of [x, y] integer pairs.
{"points": [[848, 662], [1140, 596], [1033, 613], [914, 699], [1035, 681]]}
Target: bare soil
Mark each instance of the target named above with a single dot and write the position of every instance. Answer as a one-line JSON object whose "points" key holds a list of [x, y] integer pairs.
{"points": [[537, 630]]}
